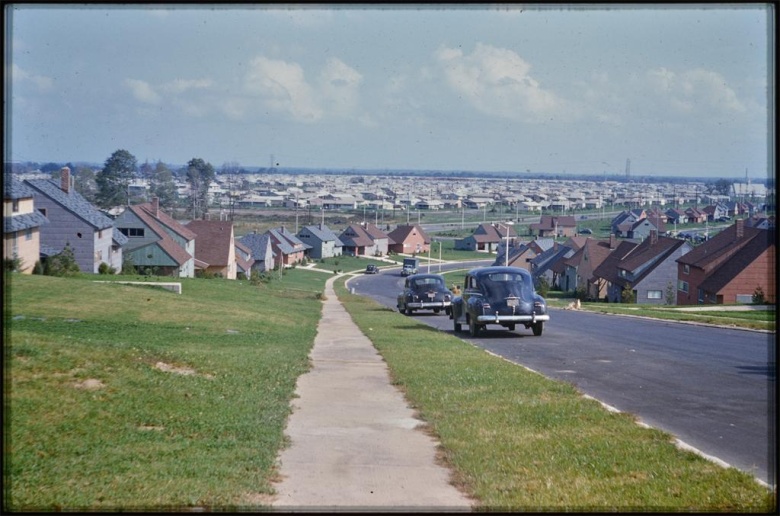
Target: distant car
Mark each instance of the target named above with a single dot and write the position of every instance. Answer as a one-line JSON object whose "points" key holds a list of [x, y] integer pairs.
{"points": [[424, 292], [499, 295], [724, 219], [586, 231], [372, 269]]}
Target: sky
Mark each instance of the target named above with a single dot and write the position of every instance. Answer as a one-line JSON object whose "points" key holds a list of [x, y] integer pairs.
{"points": [[557, 88]]}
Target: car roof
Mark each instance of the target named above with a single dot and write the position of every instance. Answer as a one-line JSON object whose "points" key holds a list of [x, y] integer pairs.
{"points": [[482, 271], [416, 276]]}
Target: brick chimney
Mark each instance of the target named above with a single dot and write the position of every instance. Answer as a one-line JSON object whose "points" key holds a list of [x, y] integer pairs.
{"points": [[156, 207], [653, 237], [612, 241], [740, 227], [66, 182]]}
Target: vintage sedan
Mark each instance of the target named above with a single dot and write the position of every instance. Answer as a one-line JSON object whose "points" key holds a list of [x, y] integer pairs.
{"points": [[424, 292], [503, 296]]}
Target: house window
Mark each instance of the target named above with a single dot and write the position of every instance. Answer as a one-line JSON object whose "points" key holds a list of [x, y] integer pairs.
{"points": [[701, 295], [132, 232], [28, 234], [682, 285], [42, 211], [686, 269], [653, 294]]}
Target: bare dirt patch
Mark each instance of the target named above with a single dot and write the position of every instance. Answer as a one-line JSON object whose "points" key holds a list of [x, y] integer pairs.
{"points": [[186, 371], [90, 384]]}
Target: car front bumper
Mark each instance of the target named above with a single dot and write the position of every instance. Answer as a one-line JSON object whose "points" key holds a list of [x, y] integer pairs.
{"points": [[497, 319], [429, 304]]}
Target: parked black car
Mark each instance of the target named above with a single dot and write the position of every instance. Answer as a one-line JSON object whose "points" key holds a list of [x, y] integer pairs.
{"points": [[499, 295], [424, 292], [372, 269]]}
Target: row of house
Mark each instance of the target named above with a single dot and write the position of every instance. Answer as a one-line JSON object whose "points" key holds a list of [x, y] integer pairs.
{"points": [[42, 216], [731, 267]]}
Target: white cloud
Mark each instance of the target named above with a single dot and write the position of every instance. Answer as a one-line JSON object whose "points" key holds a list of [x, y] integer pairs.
{"points": [[339, 86], [182, 85], [143, 91], [498, 82], [283, 87], [696, 91], [18, 75]]}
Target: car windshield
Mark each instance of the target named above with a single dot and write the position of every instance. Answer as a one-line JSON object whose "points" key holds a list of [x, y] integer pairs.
{"points": [[501, 285], [427, 283]]}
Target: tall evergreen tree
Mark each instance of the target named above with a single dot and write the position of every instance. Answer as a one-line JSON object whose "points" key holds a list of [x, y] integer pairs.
{"points": [[113, 181]]}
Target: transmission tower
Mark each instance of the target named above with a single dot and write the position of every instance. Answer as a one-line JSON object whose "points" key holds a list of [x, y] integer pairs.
{"points": [[628, 168]]}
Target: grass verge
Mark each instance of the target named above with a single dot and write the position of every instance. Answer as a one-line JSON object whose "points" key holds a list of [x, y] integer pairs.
{"points": [[121, 397], [518, 441]]}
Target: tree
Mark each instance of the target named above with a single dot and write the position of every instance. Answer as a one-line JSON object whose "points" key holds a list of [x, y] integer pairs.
{"points": [[85, 183], [723, 186], [114, 179], [162, 186], [199, 176]]}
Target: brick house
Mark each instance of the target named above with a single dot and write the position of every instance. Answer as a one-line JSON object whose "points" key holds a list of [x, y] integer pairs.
{"points": [[728, 268], [409, 239]]}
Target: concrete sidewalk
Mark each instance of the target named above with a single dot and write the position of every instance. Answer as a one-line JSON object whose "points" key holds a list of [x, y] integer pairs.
{"points": [[355, 444]]}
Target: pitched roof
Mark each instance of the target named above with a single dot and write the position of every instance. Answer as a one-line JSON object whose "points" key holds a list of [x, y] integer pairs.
{"points": [[258, 244], [608, 269], [286, 242], [167, 221], [166, 241], [401, 233], [324, 233], [72, 201], [550, 222], [738, 262], [13, 189], [212, 242], [710, 253], [356, 236], [377, 234]]}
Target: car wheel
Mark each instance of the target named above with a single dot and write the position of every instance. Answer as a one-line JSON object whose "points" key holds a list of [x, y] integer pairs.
{"points": [[473, 328], [511, 327], [436, 310], [408, 311], [538, 328], [456, 326]]}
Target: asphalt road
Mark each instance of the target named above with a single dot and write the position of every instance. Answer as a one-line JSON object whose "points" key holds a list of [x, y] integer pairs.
{"points": [[713, 388]]}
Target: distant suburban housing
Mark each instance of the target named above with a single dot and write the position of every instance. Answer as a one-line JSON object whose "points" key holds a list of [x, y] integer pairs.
{"points": [[487, 238], [554, 226], [21, 224], [75, 221], [156, 241]]}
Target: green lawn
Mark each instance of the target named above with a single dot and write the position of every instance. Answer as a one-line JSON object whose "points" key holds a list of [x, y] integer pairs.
{"points": [[134, 398]]}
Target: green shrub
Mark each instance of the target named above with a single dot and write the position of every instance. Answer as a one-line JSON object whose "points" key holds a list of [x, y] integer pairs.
{"points": [[63, 264], [758, 296], [128, 266], [105, 268], [13, 264]]}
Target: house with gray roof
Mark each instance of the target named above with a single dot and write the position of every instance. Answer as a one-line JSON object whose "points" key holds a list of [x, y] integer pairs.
{"points": [[21, 224], [76, 222], [260, 250], [322, 241]]}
